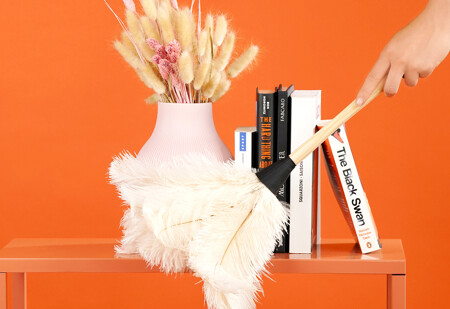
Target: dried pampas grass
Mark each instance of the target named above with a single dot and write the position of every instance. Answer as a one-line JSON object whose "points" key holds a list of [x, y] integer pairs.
{"points": [[224, 56], [150, 29], [128, 54], [201, 73], [221, 30], [211, 85], [186, 67], [185, 27], [165, 23], [149, 7], [238, 65], [175, 56]]}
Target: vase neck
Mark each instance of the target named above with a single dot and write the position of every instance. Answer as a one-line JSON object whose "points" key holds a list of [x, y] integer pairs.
{"points": [[178, 116]]}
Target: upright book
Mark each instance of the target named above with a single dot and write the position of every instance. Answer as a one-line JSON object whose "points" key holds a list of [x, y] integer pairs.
{"points": [[304, 226], [347, 187], [265, 125], [282, 149], [244, 146]]}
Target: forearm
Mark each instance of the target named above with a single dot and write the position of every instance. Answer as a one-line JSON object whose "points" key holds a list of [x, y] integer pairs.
{"points": [[440, 11]]}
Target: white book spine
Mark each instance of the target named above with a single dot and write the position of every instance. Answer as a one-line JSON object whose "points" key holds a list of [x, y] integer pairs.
{"points": [[304, 185], [243, 140]]}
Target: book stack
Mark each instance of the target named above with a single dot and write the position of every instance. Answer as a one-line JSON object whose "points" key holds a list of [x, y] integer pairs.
{"points": [[285, 118]]}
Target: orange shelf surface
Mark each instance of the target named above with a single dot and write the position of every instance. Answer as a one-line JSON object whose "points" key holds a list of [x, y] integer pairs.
{"points": [[333, 256], [97, 255]]}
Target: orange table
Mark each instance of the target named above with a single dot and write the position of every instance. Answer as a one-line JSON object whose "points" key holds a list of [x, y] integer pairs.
{"points": [[333, 256]]}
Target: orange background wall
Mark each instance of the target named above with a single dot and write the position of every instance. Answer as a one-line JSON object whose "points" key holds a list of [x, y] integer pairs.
{"points": [[69, 103]]}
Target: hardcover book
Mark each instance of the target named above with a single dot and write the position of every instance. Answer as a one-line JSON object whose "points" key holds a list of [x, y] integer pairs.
{"points": [[304, 227], [244, 146], [265, 124], [282, 142], [348, 190]]}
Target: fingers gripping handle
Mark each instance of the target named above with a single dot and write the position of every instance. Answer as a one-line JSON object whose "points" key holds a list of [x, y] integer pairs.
{"points": [[317, 139]]}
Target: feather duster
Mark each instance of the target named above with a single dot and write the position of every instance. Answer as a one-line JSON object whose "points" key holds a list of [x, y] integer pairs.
{"points": [[138, 185], [215, 218]]}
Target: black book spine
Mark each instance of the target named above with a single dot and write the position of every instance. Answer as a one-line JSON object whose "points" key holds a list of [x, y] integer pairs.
{"points": [[282, 151], [265, 122]]}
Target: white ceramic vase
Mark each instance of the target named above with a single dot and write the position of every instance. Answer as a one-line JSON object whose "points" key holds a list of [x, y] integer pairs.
{"points": [[182, 129]]}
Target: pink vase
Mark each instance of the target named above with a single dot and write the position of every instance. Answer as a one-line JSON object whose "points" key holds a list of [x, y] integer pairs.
{"points": [[181, 129]]}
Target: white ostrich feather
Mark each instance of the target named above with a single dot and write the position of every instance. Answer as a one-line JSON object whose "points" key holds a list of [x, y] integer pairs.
{"points": [[215, 218], [138, 185]]}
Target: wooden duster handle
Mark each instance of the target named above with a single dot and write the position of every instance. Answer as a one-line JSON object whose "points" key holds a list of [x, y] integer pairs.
{"points": [[314, 141]]}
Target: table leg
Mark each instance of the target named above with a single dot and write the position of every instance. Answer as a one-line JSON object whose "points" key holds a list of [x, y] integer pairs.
{"points": [[2, 290], [19, 295], [396, 291]]}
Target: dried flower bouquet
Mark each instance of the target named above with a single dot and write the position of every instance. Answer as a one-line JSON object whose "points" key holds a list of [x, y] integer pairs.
{"points": [[177, 58]]}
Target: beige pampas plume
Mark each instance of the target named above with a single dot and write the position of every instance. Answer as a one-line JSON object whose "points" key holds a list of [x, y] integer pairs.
{"points": [[201, 73], [128, 54], [222, 88], [209, 29], [154, 98], [165, 23], [149, 7], [184, 25], [240, 63], [211, 85], [134, 26], [147, 52], [202, 41], [226, 50], [136, 30], [125, 40], [153, 78], [221, 30], [150, 30], [209, 23], [186, 67], [146, 74]]}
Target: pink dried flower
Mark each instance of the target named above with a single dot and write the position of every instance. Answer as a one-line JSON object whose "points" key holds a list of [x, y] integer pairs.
{"points": [[157, 47], [156, 58], [177, 83], [173, 50], [165, 68]]}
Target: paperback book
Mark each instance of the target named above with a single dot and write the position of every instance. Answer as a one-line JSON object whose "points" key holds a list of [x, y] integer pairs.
{"points": [[265, 123], [348, 190], [283, 149], [244, 146], [304, 226]]}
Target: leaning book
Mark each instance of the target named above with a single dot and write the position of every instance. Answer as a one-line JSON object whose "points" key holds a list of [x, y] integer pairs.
{"points": [[348, 190]]}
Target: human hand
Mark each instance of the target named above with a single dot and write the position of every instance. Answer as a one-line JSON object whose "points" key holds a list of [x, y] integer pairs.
{"points": [[415, 51]]}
